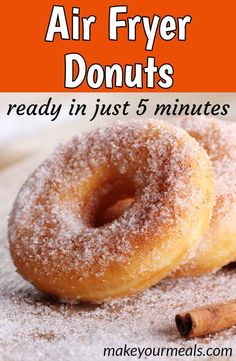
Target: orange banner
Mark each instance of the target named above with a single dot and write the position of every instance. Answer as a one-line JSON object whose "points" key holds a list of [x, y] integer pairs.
{"points": [[118, 46]]}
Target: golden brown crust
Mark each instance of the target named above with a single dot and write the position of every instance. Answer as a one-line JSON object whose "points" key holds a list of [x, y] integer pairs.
{"points": [[54, 236]]}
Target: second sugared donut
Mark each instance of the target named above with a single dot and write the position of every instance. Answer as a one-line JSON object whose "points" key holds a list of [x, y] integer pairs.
{"points": [[56, 237], [218, 245]]}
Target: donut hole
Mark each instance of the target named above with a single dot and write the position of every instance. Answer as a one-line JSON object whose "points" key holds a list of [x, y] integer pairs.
{"points": [[113, 212], [115, 197]]}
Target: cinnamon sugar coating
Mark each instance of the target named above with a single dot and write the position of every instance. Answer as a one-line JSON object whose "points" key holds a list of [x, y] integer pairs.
{"points": [[218, 245], [56, 240]]}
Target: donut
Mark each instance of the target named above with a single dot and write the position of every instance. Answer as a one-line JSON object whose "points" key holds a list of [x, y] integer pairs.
{"points": [[57, 239], [218, 245]]}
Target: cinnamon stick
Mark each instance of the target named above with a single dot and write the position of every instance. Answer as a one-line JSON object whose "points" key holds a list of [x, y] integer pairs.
{"points": [[207, 319]]}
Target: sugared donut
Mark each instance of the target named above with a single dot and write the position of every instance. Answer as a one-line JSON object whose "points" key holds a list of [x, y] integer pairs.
{"points": [[56, 240], [218, 245]]}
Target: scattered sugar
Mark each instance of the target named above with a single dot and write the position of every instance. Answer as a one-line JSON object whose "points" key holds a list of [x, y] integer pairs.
{"points": [[35, 327]]}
